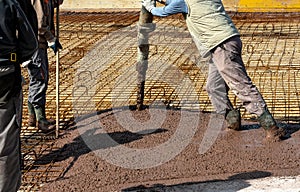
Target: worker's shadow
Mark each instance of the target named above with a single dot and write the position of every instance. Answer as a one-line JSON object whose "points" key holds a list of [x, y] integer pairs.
{"points": [[232, 183], [89, 140]]}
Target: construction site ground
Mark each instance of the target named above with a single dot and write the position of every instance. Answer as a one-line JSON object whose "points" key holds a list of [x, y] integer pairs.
{"points": [[176, 143]]}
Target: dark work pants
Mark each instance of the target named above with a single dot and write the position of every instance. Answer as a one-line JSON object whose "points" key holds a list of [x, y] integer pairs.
{"points": [[10, 126], [39, 76]]}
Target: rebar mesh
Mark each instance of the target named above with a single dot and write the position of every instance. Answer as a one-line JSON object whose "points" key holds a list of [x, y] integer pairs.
{"points": [[100, 55]]}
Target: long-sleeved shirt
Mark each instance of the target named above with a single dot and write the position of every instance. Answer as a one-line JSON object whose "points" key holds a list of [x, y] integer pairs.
{"points": [[44, 11], [16, 34], [172, 7]]}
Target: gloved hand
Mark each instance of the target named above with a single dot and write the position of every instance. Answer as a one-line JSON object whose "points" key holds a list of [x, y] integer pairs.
{"points": [[148, 4], [54, 44]]}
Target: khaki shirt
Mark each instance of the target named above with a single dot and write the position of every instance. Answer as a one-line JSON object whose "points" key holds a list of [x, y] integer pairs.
{"points": [[209, 24]]}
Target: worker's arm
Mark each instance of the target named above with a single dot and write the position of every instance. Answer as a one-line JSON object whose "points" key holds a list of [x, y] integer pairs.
{"points": [[175, 6], [27, 41], [42, 11], [172, 7]]}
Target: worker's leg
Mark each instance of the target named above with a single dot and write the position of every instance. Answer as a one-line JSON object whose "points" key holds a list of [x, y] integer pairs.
{"points": [[39, 77], [38, 74], [217, 91], [10, 107], [228, 60]]}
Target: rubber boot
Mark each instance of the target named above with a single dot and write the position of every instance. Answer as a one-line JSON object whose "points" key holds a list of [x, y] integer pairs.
{"points": [[273, 132], [233, 119], [50, 121], [42, 122], [31, 115]]}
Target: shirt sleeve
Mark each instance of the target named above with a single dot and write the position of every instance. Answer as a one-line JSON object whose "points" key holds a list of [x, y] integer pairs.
{"points": [[42, 11], [176, 6], [27, 44]]}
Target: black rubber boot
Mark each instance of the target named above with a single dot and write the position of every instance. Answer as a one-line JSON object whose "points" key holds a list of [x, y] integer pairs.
{"points": [[31, 115], [273, 132], [233, 119], [42, 123]]}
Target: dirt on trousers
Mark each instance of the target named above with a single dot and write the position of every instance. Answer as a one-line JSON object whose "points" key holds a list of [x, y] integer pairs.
{"points": [[92, 152]]}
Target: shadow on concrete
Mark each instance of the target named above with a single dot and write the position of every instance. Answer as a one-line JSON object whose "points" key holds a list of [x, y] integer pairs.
{"points": [[232, 184], [79, 147], [290, 128]]}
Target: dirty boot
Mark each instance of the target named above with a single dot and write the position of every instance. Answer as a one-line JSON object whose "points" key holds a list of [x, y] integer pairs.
{"points": [[31, 115], [42, 123], [50, 121], [273, 132], [233, 119]]}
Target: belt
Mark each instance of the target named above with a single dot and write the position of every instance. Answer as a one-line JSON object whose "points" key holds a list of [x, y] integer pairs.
{"points": [[12, 58]]}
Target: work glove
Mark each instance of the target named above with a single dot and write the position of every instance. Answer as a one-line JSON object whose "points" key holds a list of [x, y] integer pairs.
{"points": [[54, 44], [148, 4]]}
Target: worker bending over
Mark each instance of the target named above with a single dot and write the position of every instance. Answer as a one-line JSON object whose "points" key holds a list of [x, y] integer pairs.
{"points": [[216, 36]]}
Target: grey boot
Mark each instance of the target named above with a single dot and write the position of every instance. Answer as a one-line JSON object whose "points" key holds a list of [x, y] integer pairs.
{"points": [[273, 132], [31, 115], [42, 123], [233, 119]]}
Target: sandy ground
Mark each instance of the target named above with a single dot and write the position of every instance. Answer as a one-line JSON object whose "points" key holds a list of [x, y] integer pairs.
{"points": [[127, 150]]}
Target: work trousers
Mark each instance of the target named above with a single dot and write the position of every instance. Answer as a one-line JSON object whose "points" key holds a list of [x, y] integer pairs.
{"points": [[227, 72], [10, 126], [38, 72]]}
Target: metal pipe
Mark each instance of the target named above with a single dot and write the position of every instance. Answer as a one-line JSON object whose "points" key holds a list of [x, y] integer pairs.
{"points": [[145, 21], [57, 74]]}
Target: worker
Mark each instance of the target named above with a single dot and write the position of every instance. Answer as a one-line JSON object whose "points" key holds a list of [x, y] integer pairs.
{"points": [[38, 69], [216, 36], [17, 44]]}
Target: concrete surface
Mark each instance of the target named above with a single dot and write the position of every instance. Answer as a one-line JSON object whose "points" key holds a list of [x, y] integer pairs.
{"points": [[269, 184]]}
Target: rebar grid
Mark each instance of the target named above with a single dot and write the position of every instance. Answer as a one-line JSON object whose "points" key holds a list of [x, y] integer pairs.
{"points": [[271, 55], [99, 57], [79, 32]]}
